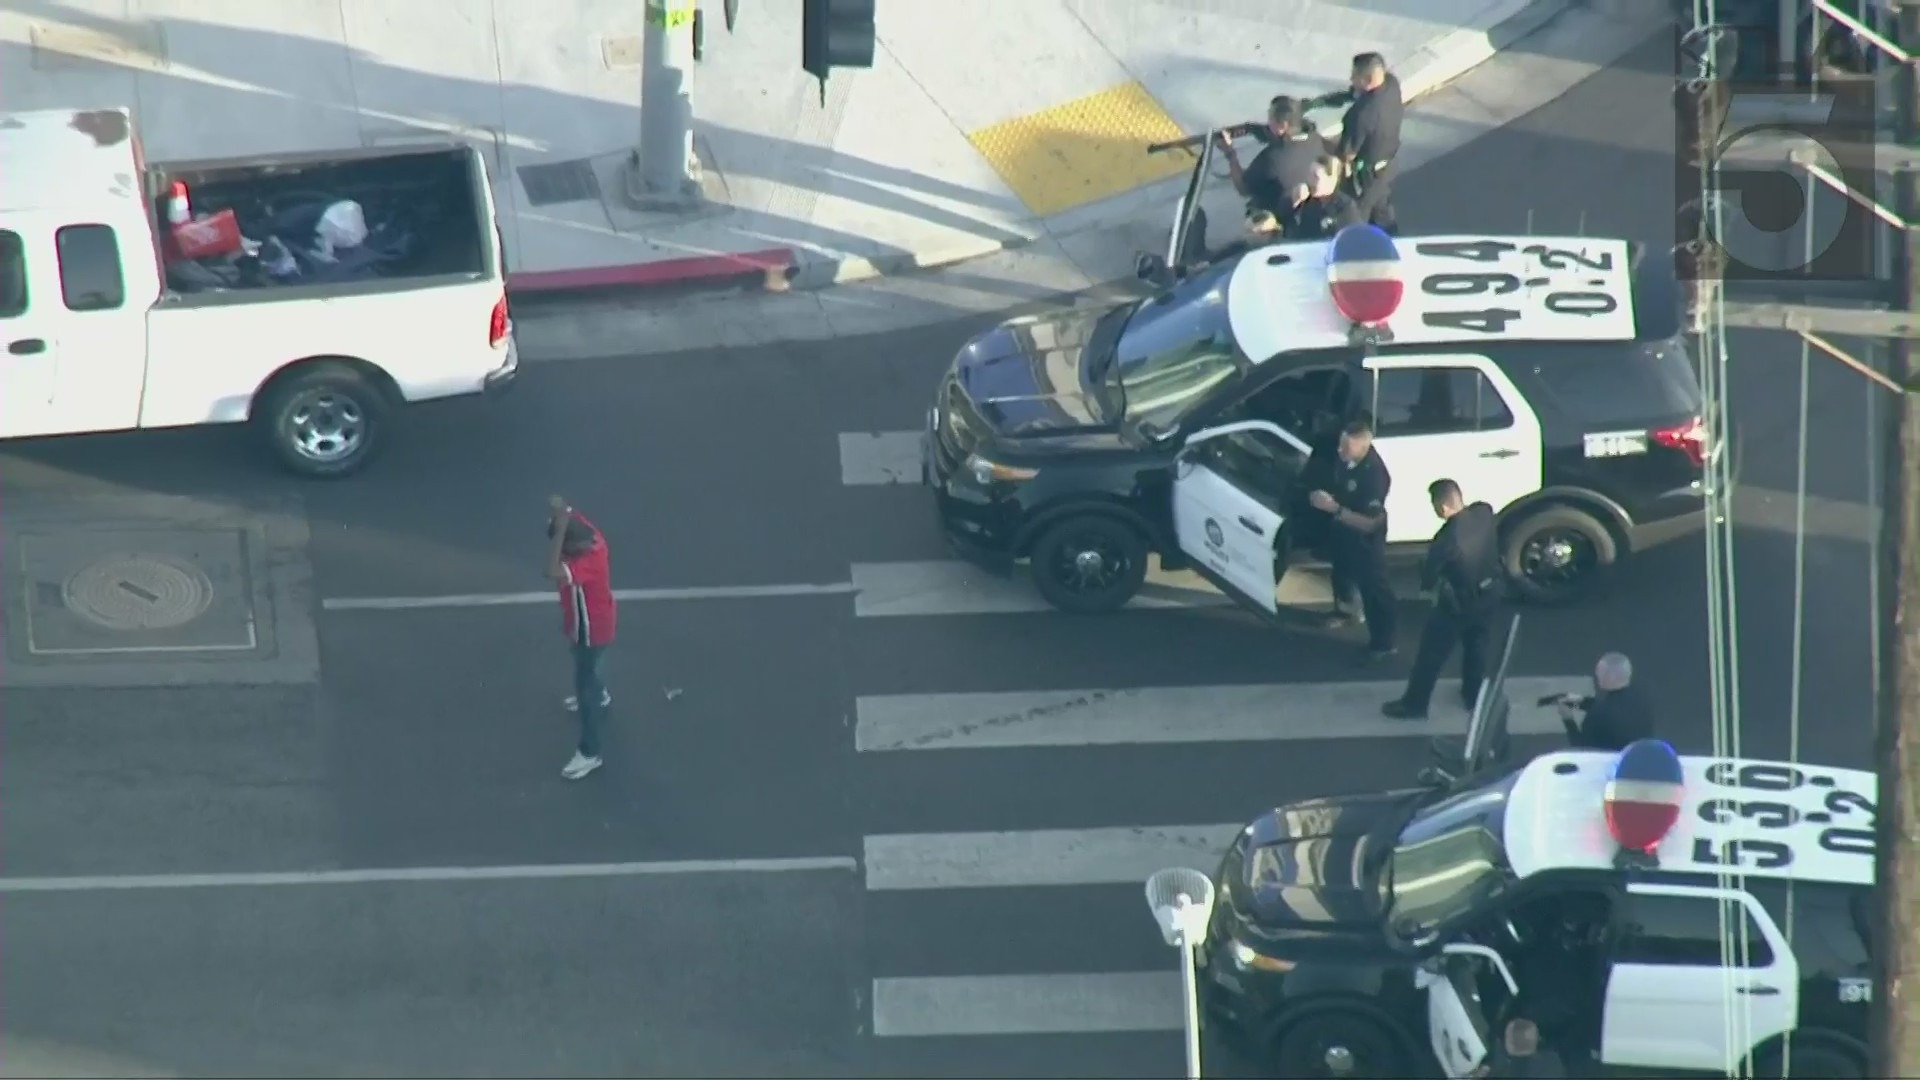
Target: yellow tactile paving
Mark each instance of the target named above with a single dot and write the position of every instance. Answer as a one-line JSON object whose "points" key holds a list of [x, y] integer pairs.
{"points": [[1083, 150]]}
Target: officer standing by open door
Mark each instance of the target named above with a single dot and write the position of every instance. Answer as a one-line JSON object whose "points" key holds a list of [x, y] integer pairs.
{"points": [[1356, 509], [1370, 136], [1463, 574]]}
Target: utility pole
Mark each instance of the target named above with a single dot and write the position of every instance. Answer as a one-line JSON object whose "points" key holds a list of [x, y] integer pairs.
{"points": [[1895, 1030], [1894, 1026], [667, 171]]}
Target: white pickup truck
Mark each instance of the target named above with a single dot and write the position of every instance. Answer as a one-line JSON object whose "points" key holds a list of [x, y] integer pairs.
{"points": [[107, 324]]}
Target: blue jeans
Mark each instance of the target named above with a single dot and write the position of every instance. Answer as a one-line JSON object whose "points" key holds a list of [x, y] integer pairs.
{"points": [[589, 686]]}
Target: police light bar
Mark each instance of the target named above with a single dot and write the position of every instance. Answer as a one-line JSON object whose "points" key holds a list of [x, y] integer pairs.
{"points": [[1643, 795], [1364, 275]]}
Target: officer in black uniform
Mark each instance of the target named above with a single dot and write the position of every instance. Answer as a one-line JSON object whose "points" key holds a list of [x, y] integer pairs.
{"points": [[1285, 165], [1326, 209], [1463, 574], [1617, 713], [1357, 509], [1370, 135]]}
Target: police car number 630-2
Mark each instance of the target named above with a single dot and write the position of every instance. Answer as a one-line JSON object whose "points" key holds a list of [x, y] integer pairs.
{"points": [[1808, 809], [1537, 282]]}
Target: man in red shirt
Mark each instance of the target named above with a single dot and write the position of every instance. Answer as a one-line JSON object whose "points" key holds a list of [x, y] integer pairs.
{"points": [[577, 563]]}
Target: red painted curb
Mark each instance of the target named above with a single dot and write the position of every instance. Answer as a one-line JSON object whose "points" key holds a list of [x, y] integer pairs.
{"points": [[651, 274]]}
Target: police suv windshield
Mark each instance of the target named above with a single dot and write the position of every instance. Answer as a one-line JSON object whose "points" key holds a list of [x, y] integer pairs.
{"points": [[1175, 348], [1450, 861]]}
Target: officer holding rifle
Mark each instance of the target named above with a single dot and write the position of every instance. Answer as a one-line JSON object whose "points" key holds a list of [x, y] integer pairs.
{"points": [[1283, 167]]}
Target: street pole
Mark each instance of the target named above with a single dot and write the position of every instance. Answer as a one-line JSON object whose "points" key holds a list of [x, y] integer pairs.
{"points": [[668, 170], [1182, 901], [1190, 991], [1895, 1034]]}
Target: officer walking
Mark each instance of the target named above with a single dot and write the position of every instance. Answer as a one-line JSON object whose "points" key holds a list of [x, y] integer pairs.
{"points": [[1617, 714], [1285, 164], [1370, 135], [1462, 572], [1326, 209], [1357, 507]]}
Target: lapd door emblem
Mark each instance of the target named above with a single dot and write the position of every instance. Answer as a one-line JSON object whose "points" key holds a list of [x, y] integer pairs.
{"points": [[1214, 535]]}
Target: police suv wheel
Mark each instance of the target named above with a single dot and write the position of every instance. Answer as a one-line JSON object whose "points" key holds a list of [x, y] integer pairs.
{"points": [[1811, 1061], [1339, 1044], [1555, 554], [324, 420], [1089, 564]]}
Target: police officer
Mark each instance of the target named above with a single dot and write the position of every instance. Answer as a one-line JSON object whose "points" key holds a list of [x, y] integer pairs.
{"points": [[1357, 509], [1370, 135], [1618, 713], [1326, 209], [1462, 572], [1285, 164]]}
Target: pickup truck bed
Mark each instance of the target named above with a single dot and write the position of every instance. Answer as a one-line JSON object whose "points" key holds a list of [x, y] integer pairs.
{"points": [[424, 209]]}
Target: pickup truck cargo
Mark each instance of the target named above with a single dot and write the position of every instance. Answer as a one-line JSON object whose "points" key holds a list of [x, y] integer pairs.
{"points": [[330, 289]]}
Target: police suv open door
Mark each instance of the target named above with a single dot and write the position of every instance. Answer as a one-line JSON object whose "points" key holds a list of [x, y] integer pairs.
{"points": [[1458, 1022], [1227, 507], [1672, 1003]]}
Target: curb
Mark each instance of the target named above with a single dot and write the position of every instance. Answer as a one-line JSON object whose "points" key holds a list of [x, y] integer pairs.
{"points": [[1432, 67]]}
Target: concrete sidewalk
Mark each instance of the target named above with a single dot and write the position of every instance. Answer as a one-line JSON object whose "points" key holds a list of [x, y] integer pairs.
{"points": [[985, 125]]}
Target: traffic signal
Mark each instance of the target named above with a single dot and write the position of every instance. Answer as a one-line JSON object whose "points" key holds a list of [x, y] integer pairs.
{"points": [[1700, 110], [836, 34]]}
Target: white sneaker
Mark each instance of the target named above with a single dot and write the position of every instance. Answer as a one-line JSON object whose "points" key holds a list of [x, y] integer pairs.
{"points": [[579, 766], [572, 703]]}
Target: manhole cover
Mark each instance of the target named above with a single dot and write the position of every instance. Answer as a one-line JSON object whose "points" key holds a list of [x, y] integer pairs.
{"points": [[138, 592]]}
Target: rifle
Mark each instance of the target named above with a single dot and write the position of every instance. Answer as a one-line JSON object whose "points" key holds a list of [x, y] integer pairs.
{"points": [[1256, 129]]}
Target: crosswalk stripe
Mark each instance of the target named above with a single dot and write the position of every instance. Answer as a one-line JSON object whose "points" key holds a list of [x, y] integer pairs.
{"points": [[879, 457], [1007, 860], [1028, 1004], [1191, 714]]}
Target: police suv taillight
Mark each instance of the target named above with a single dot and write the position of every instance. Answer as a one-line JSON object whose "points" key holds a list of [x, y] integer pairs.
{"points": [[1689, 438]]}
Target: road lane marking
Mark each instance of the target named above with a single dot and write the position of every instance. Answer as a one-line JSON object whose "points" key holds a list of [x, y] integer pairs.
{"points": [[904, 862], [135, 882], [1189, 714], [1027, 1004], [474, 600], [879, 457]]}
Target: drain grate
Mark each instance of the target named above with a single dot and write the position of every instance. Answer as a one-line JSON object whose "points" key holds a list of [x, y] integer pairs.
{"points": [[560, 182]]}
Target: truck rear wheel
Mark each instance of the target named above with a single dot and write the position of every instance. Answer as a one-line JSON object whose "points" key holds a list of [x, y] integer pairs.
{"points": [[1339, 1043], [324, 421]]}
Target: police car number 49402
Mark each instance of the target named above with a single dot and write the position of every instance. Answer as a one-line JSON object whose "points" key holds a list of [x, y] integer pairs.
{"points": [[1486, 287], [1806, 810]]}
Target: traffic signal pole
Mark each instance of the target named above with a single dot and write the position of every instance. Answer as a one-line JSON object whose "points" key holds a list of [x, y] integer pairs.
{"points": [[668, 171], [1895, 1030]]}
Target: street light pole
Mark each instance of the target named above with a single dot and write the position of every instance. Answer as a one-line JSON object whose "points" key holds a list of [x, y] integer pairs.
{"points": [[1182, 903], [668, 170]]}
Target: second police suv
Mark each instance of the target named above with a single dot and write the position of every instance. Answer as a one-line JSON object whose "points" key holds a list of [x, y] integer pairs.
{"points": [[1545, 374], [1655, 915]]}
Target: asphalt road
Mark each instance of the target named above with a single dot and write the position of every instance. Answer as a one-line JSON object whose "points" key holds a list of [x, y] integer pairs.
{"points": [[434, 738]]}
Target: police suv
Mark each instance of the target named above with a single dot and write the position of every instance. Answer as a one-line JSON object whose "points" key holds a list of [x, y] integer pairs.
{"points": [[1545, 374], [1712, 921]]}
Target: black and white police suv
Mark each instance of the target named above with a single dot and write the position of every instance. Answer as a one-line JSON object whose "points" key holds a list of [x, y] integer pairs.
{"points": [[1546, 375], [1382, 935]]}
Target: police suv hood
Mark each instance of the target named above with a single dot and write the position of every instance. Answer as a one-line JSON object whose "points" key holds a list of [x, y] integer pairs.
{"points": [[1315, 867], [1027, 377]]}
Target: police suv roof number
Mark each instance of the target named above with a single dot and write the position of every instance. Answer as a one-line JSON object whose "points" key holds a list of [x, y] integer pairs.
{"points": [[1559, 289], [1820, 815]]}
